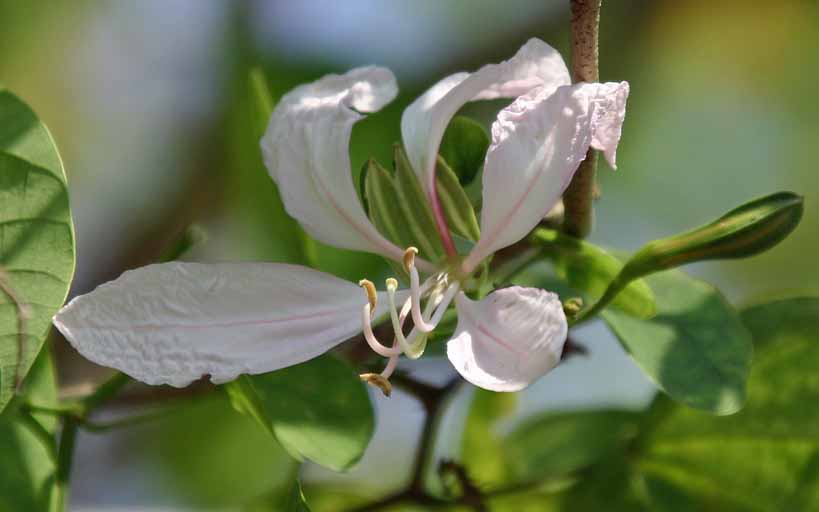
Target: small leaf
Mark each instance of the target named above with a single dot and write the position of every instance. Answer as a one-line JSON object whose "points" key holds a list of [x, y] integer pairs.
{"points": [[458, 210], [744, 231], [590, 269], [695, 348], [554, 444], [318, 410], [766, 457], [464, 148], [37, 249]]}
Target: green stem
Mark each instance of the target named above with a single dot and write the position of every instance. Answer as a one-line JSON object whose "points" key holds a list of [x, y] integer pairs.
{"points": [[65, 456], [105, 392], [43, 435]]}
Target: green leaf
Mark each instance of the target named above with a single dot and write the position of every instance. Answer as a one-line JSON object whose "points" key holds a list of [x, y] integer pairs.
{"points": [[765, 457], [295, 500], [36, 236], [464, 147], [695, 348], [318, 410], [482, 450], [589, 269], [554, 444], [458, 210]]}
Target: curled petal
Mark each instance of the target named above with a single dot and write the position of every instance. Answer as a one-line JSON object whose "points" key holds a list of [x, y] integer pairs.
{"points": [[509, 339], [537, 145], [423, 123], [173, 323], [306, 151]]}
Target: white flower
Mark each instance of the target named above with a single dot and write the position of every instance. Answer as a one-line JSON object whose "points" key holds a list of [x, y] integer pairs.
{"points": [[173, 323]]}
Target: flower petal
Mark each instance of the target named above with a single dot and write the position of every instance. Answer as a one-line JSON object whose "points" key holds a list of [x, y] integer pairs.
{"points": [[536, 64], [306, 151], [172, 323], [537, 145], [509, 339]]}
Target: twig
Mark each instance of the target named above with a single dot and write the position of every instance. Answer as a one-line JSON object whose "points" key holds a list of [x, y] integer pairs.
{"points": [[578, 196]]}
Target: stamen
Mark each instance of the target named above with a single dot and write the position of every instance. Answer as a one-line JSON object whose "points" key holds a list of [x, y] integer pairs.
{"points": [[410, 348], [415, 295], [409, 258], [372, 341], [372, 295], [378, 381]]}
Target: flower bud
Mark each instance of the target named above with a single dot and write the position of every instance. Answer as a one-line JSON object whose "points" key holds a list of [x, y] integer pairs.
{"points": [[744, 231]]}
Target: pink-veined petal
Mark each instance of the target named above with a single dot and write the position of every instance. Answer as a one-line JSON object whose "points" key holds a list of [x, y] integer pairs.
{"points": [[306, 151], [537, 145], [423, 123], [172, 323], [509, 339]]}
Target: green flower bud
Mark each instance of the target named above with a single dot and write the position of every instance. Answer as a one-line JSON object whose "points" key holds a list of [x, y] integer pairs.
{"points": [[744, 231]]}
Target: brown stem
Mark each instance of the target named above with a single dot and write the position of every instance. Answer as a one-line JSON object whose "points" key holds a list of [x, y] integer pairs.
{"points": [[432, 398], [578, 197]]}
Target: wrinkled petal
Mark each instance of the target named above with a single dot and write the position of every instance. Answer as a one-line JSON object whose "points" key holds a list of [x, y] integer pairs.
{"points": [[423, 123], [172, 323], [509, 339], [537, 145], [306, 151]]}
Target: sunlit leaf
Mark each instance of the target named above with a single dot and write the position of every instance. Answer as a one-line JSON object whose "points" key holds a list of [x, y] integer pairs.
{"points": [[36, 237], [589, 269], [695, 349], [766, 457], [319, 410]]}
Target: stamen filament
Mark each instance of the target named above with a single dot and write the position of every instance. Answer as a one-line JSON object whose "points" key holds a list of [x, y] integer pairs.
{"points": [[415, 295], [372, 341]]}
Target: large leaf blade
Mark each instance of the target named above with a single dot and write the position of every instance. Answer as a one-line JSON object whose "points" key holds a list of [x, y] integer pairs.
{"points": [[319, 410], [695, 348], [36, 238]]}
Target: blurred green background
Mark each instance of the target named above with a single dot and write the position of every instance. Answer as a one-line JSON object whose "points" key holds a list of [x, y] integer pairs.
{"points": [[149, 104]]}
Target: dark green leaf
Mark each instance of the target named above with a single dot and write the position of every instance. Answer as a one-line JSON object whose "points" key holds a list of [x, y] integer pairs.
{"points": [[36, 237], [318, 410], [766, 457], [558, 443], [457, 208], [464, 147], [695, 348], [589, 269], [296, 501]]}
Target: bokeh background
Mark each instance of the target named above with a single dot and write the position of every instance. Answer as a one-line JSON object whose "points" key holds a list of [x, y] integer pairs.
{"points": [[150, 106]]}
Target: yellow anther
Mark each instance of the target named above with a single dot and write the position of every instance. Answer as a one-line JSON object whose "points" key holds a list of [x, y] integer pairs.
{"points": [[372, 296], [409, 258], [375, 379], [392, 284]]}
